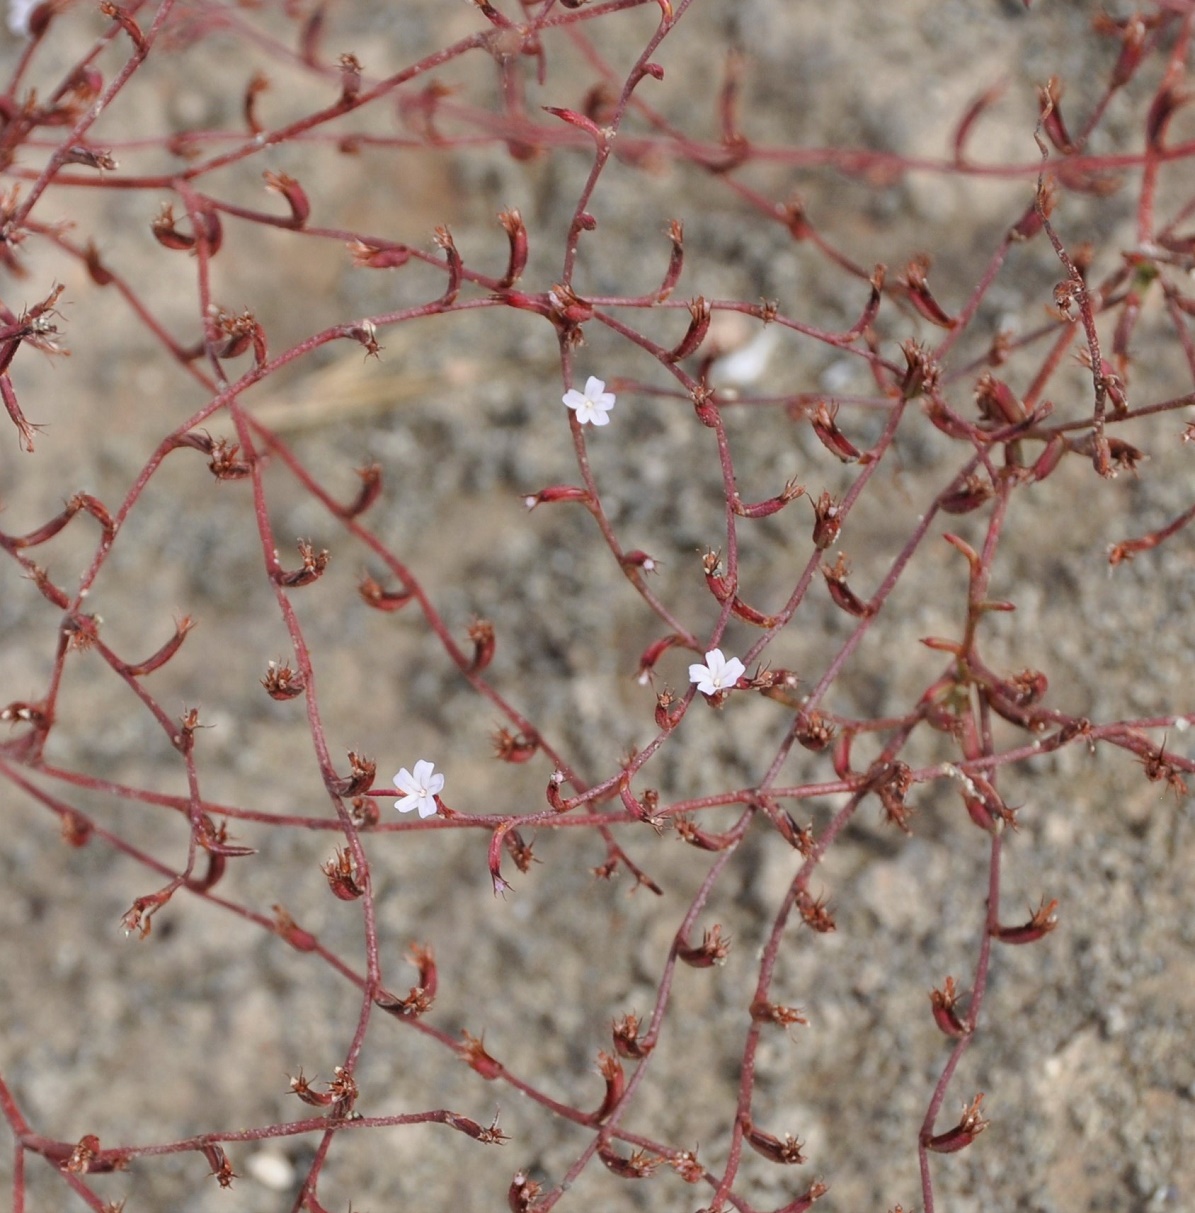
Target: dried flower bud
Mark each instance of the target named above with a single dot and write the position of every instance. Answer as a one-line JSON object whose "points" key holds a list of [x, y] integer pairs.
{"points": [[1050, 457], [798, 837], [369, 492], [481, 632], [699, 324], [225, 462], [963, 1134], [676, 233], [764, 509], [1168, 100], [610, 1068], [690, 832], [996, 402], [303, 1089], [1049, 98], [569, 310], [827, 522], [295, 195], [520, 850], [945, 1009], [168, 236], [314, 564], [217, 1159], [643, 811], [258, 84], [341, 872], [891, 781], [489, 1135], [664, 716], [382, 599], [922, 373], [83, 1155], [473, 1051], [749, 614], [639, 1166], [184, 739], [127, 24], [361, 775], [423, 993], [281, 682], [214, 839], [522, 1193], [139, 916], [705, 406], [916, 290], [712, 950], [74, 829], [600, 135], [379, 256], [626, 1038], [92, 157], [516, 231], [231, 336], [786, 1152], [1131, 33], [553, 792], [494, 859], [363, 810], [687, 1167], [949, 422], [286, 928], [452, 261], [779, 684], [776, 1013], [985, 806], [843, 596], [1043, 921], [556, 492], [815, 913], [810, 1197], [514, 747], [350, 78], [870, 310], [967, 496], [825, 426]]}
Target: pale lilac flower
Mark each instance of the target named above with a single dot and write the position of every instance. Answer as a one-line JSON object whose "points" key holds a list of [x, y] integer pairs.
{"points": [[419, 791], [717, 674], [18, 16], [593, 405]]}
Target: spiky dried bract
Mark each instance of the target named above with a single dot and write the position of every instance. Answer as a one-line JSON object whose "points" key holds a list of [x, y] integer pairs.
{"points": [[713, 949], [963, 1133]]}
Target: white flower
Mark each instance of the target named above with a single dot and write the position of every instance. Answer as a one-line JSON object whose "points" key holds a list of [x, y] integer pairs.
{"points": [[18, 16], [717, 674], [593, 405], [419, 791]]}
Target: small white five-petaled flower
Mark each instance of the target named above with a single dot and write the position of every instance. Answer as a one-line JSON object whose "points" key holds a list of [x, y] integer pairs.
{"points": [[593, 405], [419, 791], [717, 674], [19, 12]]}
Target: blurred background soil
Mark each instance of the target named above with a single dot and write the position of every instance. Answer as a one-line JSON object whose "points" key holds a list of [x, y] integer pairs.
{"points": [[1086, 1045]]}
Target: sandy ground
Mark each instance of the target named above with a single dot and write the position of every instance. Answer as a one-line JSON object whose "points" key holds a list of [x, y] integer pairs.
{"points": [[1086, 1044]]}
